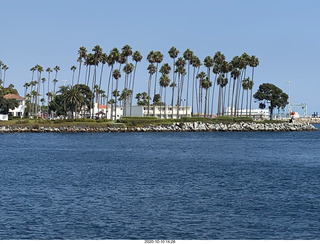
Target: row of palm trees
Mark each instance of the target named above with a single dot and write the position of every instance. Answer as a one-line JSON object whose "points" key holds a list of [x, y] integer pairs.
{"points": [[189, 80]]}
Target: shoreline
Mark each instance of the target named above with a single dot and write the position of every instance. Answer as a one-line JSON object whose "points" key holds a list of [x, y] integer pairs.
{"points": [[175, 127]]}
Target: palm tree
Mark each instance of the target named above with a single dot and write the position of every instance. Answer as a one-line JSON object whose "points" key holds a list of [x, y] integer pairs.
{"points": [[173, 85], [180, 63], [40, 70], [49, 71], [188, 55], [164, 70], [196, 63], [82, 56], [116, 75], [208, 63], [73, 98], [152, 69], [73, 69], [88, 62], [254, 62], [206, 84], [173, 53], [54, 85], [245, 86], [137, 57], [201, 76], [56, 69], [43, 80], [128, 68], [5, 68], [235, 73], [126, 50], [164, 82], [158, 57]]}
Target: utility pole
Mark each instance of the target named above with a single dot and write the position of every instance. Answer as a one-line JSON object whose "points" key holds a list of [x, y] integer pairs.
{"points": [[289, 108]]}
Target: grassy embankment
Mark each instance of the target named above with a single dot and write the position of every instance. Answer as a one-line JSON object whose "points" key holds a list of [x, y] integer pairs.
{"points": [[126, 121]]}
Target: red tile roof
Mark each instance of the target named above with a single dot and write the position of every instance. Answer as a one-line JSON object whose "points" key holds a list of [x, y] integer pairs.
{"points": [[100, 106], [13, 96]]}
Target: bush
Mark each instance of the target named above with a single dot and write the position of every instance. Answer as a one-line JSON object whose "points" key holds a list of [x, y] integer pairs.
{"points": [[35, 126], [44, 121], [22, 122], [103, 120]]}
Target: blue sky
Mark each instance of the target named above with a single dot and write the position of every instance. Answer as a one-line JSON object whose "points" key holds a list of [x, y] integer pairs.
{"points": [[283, 34]]}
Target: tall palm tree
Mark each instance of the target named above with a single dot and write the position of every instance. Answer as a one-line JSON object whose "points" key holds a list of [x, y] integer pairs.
{"points": [[201, 76], [206, 84], [173, 53], [158, 57], [54, 85], [180, 70], [40, 70], [208, 63], [152, 69], [127, 51], [48, 70], [188, 55], [88, 63], [245, 86], [235, 73], [56, 69], [137, 57], [164, 70], [73, 69], [253, 63], [173, 85], [196, 63], [43, 80], [5, 68], [128, 68], [164, 82], [82, 56], [116, 75], [113, 57]]}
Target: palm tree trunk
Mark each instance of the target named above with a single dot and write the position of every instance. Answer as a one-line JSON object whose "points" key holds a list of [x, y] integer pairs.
{"points": [[155, 89], [149, 86], [187, 87], [134, 75], [79, 72]]}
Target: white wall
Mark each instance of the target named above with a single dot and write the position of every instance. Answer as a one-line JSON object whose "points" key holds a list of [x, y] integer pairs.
{"points": [[4, 117]]}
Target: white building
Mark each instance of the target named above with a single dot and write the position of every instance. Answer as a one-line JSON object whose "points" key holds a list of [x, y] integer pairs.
{"points": [[161, 112], [255, 113], [104, 111], [18, 111]]}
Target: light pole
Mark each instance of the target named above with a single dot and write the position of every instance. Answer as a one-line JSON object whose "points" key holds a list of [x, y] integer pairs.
{"points": [[289, 108]]}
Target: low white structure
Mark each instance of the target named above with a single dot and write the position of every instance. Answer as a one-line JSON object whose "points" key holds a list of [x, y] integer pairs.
{"points": [[161, 112], [4, 117], [255, 113], [18, 111], [104, 111]]}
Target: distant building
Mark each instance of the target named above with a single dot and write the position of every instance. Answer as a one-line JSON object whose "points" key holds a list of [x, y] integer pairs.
{"points": [[18, 111], [161, 112], [255, 113]]}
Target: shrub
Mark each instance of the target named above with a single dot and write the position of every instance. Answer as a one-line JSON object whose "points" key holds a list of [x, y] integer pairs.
{"points": [[22, 122], [44, 121]]}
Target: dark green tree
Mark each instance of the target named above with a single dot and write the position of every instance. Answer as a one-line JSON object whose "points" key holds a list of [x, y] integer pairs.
{"points": [[270, 94]]}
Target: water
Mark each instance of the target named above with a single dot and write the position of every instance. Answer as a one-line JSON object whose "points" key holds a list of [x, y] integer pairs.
{"points": [[256, 185]]}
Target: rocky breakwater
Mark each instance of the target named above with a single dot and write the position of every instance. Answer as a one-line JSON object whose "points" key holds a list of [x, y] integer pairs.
{"points": [[200, 126], [176, 127]]}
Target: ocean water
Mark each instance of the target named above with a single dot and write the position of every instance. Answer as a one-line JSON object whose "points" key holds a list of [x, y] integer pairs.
{"points": [[239, 185]]}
